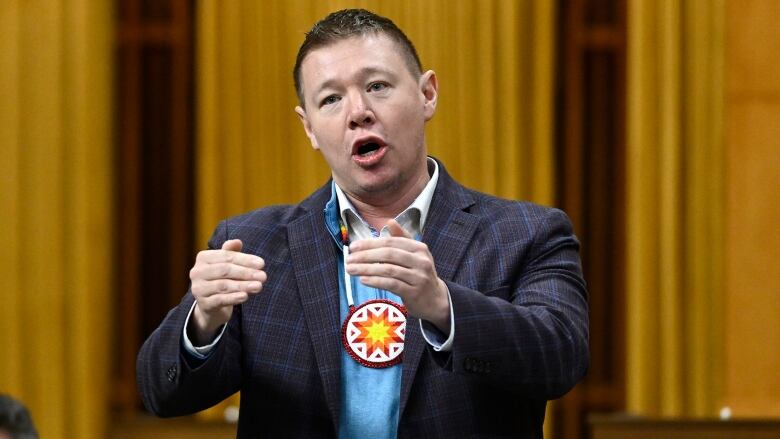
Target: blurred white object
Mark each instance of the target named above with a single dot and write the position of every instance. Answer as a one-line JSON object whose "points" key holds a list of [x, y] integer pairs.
{"points": [[231, 414], [725, 413]]}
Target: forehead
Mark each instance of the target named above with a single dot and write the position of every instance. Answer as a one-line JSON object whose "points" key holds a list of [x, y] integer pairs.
{"points": [[345, 58]]}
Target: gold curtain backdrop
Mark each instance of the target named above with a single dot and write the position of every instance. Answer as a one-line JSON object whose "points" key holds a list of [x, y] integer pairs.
{"points": [[56, 203], [675, 202], [493, 127]]}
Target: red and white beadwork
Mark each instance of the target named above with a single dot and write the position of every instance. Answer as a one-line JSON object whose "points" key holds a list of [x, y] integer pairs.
{"points": [[373, 333]]}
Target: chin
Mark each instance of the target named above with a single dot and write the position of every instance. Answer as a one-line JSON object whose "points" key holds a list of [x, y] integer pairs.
{"points": [[378, 186]]}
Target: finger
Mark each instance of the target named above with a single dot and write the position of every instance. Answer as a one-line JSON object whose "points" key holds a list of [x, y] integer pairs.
{"points": [[244, 259], [395, 286], [387, 255], [407, 244], [233, 244], [214, 302], [396, 230], [204, 289], [389, 271], [225, 270]]}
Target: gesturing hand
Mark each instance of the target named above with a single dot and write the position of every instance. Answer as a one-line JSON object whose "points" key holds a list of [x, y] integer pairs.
{"points": [[404, 266], [222, 279]]}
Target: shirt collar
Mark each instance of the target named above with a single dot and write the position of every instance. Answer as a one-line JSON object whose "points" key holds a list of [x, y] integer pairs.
{"points": [[412, 218]]}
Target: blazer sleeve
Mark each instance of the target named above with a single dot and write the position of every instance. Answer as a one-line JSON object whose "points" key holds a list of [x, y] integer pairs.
{"points": [[170, 381], [530, 334]]}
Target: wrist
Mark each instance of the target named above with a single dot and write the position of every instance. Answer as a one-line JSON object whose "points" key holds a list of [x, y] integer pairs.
{"points": [[441, 318], [203, 328]]}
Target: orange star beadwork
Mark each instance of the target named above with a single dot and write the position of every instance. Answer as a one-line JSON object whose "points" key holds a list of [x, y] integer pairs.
{"points": [[374, 332]]}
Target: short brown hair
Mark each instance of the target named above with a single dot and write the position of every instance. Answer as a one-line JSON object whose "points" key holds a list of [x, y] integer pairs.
{"points": [[349, 23]]}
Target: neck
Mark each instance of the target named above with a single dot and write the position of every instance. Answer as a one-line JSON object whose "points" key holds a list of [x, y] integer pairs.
{"points": [[377, 211]]}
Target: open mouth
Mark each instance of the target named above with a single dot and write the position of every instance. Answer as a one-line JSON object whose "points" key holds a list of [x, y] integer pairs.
{"points": [[368, 149]]}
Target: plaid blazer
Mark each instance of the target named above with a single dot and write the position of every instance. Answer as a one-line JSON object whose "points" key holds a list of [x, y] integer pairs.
{"points": [[521, 326]]}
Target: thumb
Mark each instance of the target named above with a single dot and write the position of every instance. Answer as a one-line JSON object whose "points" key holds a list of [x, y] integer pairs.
{"points": [[396, 230], [232, 245]]}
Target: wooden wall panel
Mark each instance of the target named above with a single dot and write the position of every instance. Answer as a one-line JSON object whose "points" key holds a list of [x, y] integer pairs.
{"points": [[590, 180], [154, 173]]}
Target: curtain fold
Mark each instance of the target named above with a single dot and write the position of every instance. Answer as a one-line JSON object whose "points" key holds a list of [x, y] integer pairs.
{"points": [[675, 207], [56, 199], [493, 128]]}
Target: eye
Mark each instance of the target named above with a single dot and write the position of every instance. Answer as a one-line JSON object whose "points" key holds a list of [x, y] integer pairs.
{"points": [[377, 86], [329, 100]]}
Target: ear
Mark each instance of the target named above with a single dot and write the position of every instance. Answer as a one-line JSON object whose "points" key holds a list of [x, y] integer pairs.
{"points": [[429, 87], [307, 126]]}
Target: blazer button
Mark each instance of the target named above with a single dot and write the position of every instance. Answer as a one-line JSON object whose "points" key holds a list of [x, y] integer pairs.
{"points": [[468, 364], [171, 374]]}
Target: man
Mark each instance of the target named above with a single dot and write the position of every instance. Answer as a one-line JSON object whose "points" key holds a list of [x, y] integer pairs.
{"points": [[392, 302]]}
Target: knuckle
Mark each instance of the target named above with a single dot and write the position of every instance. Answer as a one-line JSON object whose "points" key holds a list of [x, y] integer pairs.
{"points": [[224, 300], [218, 302], [227, 300], [223, 286], [391, 270]]}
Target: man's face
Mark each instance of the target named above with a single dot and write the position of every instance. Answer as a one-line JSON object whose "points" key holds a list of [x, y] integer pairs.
{"points": [[366, 113]]}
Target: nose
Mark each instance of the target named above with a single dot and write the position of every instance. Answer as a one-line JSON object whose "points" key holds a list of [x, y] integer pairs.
{"points": [[360, 113]]}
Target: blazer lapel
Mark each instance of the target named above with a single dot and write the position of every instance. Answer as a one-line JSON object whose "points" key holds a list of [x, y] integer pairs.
{"points": [[448, 232], [316, 274]]}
